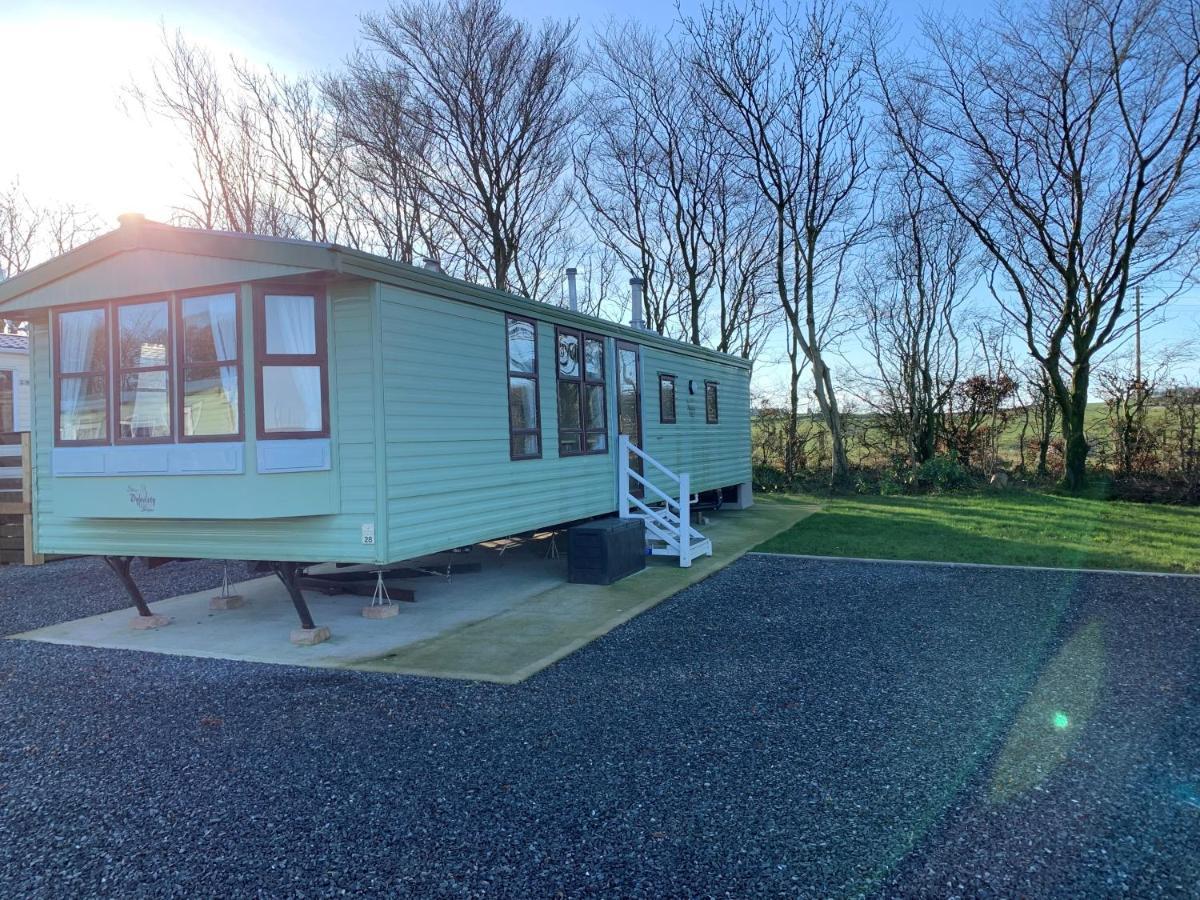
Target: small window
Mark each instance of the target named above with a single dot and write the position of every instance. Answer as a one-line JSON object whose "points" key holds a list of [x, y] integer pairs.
{"points": [[210, 396], [524, 406], [711, 410], [293, 391], [81, 375], [143, 345], [582, 404], [666, 399]]}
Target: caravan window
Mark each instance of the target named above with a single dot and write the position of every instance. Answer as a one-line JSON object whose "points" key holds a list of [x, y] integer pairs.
{"points": [[210, 397], [666, 399], [293, 387], [711, 410], [81, 375], [524, 407], [582, 405], [143, 353]]}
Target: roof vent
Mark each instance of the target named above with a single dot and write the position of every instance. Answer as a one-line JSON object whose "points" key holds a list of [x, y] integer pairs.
{"points": [[129, 219], [431, 263]]}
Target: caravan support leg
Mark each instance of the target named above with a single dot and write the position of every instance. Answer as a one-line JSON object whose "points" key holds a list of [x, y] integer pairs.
{"points": [[120, 566], [288, 572], [307, 633]]}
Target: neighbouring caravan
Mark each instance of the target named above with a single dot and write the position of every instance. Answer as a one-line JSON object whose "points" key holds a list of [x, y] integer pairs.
{"points": [[14, 382], [201, 394]]}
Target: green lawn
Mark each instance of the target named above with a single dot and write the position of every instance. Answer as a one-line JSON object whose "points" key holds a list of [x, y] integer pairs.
{"points": [[1015, 528]]}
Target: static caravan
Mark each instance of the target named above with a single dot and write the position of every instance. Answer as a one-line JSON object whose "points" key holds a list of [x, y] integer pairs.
{"points": [[200, 394], [14, 382]]}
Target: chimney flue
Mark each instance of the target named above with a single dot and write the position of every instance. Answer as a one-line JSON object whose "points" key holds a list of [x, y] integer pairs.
{"points": [[572, 296], [431, 263], [635, 292]]}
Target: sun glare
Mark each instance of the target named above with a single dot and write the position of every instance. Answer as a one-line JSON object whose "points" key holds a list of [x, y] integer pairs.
{"points": [[68, 139]]}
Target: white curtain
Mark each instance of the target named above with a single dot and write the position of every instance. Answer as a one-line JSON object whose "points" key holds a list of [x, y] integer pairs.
{"points": [[291, 325], [222, 321], [77, 332], [291, 394]]}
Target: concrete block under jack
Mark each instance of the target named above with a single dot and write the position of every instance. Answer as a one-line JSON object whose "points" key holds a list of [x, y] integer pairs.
{"points": [[306, 637], [381, 612], [155, 621], [233, 601]]}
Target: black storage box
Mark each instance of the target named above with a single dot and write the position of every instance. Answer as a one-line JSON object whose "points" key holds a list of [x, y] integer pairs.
{"points": [[605, 551]]}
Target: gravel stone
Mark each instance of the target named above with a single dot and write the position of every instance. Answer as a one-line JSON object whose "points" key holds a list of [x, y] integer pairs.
{"points": [[784, 728]]}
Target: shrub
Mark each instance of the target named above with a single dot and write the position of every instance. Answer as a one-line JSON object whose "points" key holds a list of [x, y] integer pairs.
{"points": [[943, 473]]}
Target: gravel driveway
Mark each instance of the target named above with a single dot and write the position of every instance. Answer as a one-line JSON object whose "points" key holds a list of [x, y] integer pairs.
{"points": [[785, 728]]}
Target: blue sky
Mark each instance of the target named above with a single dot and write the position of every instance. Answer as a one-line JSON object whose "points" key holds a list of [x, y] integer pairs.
{"points": [[64, 65]]}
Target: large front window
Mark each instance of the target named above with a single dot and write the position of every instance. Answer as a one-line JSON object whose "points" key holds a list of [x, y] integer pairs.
{"points": [[292, 381], [209, 367], [81, 375], [143, 341], [171, 366]]}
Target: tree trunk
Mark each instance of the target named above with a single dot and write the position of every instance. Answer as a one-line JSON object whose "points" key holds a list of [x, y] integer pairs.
{"points": [[789, 464], [1074, 435]]}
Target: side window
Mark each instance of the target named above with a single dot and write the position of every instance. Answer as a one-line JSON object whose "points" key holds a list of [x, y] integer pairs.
{"points": [[81, 375], [524, 407], [666, 399], [582, 404], [143, 353], [711, 408], [291, 364], [210, 361]]}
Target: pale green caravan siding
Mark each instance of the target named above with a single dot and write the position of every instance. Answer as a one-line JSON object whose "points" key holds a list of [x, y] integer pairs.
{"points": [[449, 478], [351, 483], [713, 455]]}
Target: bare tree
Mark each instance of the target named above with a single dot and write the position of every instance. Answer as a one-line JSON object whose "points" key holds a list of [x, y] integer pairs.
{"points": [[20, 225], [390, 199], [786, 88], [1065, 135], [494, 98], [301, 150], [739, 243], [913, 285], [230, 188]]}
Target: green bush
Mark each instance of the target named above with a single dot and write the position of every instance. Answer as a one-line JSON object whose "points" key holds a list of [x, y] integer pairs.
{"points": [[943, 473]]}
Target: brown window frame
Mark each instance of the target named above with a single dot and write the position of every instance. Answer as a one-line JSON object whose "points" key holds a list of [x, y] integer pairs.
{"points": [[264, 360], [182, 365], [715, 417], [535, 377], [583, 381], [118, 372], [105, 375], [662, 410]]}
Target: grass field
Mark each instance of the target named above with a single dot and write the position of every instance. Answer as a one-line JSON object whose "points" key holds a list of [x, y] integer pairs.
{"points": [[864, 439], [1016, 528]]}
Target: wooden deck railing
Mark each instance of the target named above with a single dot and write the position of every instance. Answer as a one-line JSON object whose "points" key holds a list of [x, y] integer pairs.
{"points": [[16, 500]]}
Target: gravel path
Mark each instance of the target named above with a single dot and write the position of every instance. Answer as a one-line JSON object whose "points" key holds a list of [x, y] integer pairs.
{"points": [[784, 728]]}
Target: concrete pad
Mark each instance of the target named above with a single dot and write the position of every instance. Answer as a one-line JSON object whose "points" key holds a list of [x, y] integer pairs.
{"points": [[503, 624], [529, 636]]}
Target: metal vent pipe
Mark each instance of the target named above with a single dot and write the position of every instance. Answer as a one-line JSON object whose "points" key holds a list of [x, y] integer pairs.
{"points": [[572, 294], [635, 292]]}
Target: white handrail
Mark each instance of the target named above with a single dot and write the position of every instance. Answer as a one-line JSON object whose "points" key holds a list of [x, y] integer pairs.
{"points": [[677, 535]]}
